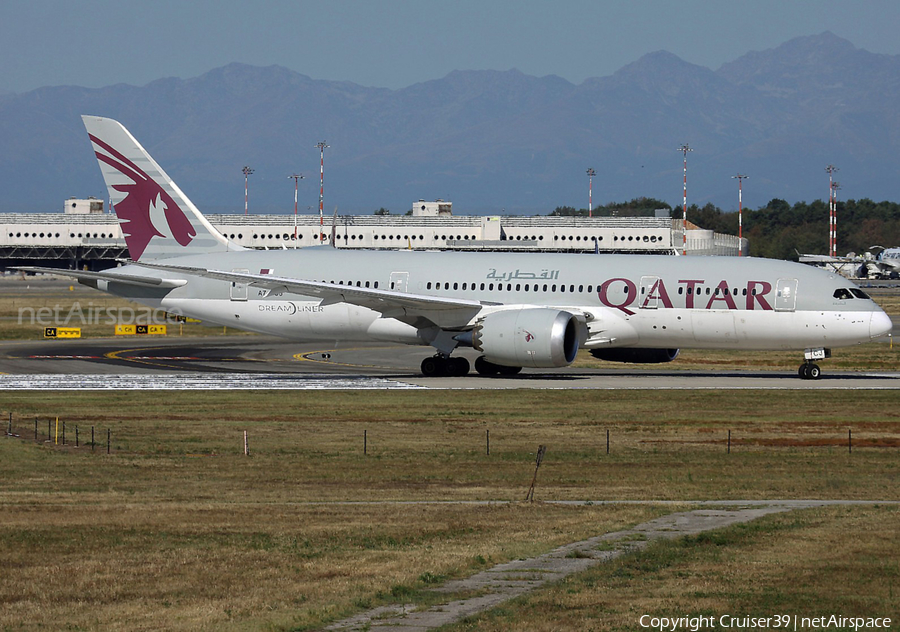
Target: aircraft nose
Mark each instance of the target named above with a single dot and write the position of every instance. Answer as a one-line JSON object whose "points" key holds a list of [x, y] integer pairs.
{"points": [[880, 325]]}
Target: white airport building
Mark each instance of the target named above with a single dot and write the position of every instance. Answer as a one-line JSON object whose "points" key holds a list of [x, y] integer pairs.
{"points": [[84, 236]]}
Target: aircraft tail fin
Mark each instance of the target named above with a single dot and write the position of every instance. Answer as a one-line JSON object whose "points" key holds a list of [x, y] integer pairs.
{"points": [[157, 218]]}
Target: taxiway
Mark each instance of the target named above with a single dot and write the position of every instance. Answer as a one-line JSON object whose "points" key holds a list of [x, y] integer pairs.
{"points": [[258, 362]]}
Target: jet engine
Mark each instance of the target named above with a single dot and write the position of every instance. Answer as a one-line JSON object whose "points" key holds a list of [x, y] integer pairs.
{"points": [[635, 356], [533, 337]]}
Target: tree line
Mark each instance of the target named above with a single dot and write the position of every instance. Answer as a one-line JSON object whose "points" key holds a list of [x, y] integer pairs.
{"points": [[779, 230]]}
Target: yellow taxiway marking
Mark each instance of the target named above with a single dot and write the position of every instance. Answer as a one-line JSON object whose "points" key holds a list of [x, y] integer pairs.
{"points": [[114, 355], [304, 357]]}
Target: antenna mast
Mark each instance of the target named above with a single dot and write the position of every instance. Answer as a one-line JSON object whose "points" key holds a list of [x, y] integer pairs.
{"points": [[297, 177], [684, 149], [246, 171], [740, 178], [832, 210], [322, 147], [591, 173]]}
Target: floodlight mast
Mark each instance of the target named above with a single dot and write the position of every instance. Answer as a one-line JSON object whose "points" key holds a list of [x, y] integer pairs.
{"points": [[684, 149], [835, 186], [740, 178], [246, 171], [297, 177], [591, 173], [832, 220], [322, 147]]}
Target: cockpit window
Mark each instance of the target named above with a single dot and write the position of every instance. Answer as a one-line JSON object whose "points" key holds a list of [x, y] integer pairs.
{"points": [[858, 293], [842, 294]]}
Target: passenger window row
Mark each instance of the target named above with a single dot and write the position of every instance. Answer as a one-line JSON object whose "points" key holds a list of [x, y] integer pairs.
{"points": [[509, 287], [712, 291]]}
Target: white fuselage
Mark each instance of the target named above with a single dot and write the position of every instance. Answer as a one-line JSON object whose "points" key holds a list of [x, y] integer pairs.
{"points": [[627, 300]]}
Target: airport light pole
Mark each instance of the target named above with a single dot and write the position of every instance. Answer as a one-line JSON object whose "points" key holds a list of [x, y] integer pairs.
{"points": [[246, 171], [832, 247], [740, 178], [591, 173], [322, 147], [684, 149], [297, 177], [835, 187]]}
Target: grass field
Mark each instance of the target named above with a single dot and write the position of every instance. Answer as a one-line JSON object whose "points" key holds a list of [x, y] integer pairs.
{"points": [[177, 529]]}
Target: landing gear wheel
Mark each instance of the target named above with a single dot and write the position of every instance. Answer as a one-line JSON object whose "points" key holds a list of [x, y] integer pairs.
{"points": [[810, 371], [434, 366], [457, 367], [484, 367]]}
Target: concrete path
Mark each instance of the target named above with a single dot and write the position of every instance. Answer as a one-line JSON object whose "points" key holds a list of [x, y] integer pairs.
{"points": [[506, 581]]}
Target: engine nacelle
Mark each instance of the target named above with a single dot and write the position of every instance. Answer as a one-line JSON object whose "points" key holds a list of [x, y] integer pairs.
{"points": [[635, 356], [534, 337]]}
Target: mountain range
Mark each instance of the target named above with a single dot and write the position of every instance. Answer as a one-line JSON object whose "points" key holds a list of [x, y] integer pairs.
{"points": [[489, 141]]}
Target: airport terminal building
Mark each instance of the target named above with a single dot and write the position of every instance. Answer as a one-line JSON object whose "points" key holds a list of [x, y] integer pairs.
{"points": [[84, 236]]}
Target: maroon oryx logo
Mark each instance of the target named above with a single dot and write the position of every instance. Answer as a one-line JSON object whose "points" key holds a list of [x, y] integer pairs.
{"points": [[145, 207], [528, 335]]}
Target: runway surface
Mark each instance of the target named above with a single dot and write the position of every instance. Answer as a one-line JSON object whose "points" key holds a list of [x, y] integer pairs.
{"points": [[258, 362]]}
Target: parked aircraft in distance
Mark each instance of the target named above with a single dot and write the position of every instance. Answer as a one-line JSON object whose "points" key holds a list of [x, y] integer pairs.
{"points": [[886, 265], [519, 310]]}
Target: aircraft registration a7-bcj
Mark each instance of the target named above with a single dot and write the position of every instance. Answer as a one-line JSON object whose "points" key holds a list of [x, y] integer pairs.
{"points": [[518, 310]]}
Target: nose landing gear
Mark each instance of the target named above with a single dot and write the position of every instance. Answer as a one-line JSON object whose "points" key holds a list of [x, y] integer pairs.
{"points": [[809, 370]]}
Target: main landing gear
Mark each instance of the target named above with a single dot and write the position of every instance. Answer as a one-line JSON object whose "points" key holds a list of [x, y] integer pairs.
{"points": [[445, 366], [489, 368], [437, 366]]}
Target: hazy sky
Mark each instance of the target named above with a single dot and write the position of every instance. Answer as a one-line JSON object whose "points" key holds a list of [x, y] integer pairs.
{"points": [[396, 43]]}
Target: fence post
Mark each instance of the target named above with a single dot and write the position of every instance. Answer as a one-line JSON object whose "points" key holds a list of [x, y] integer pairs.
{"points": [[849, 441], [246, 445], [76, 436], [107, 440], [729, 442], [365, 442], [607, 440], [487, 439], [540, 457]]}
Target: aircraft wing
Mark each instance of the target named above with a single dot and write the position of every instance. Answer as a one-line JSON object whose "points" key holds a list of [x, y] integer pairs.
{"points": [[92, 277], [416, 309]]}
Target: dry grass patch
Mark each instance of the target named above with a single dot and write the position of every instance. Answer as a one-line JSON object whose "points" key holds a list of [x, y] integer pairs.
{"points": [[835, 560], [121, 565], [177, 529]]}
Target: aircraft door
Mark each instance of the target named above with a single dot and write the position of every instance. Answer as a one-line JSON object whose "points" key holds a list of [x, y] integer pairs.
{"points": [[785, 295], [239, 290], [399, 281], [649, 297]]}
